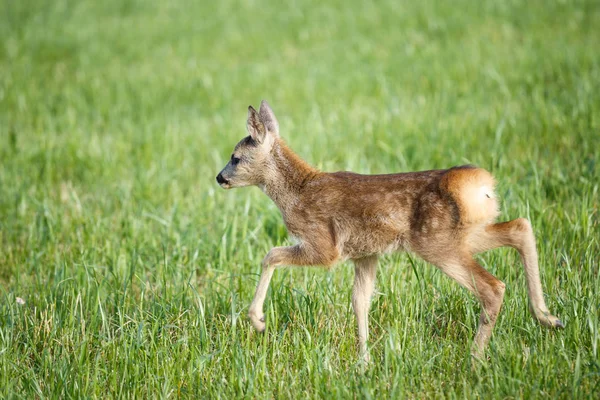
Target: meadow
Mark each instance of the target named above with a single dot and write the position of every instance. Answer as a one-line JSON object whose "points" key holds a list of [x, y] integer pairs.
{"points": [[126, 272]]}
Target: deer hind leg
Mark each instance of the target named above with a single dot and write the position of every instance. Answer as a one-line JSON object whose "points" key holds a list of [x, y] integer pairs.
{"points": [[364, 284], [488, 289], [518, 234], [299, 255]]}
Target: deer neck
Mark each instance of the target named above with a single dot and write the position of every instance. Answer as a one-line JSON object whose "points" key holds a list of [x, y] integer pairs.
{"points": [[287, 175]]}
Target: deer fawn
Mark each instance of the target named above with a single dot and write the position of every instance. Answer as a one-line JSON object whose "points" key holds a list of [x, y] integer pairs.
{"points": [[444, 216]]}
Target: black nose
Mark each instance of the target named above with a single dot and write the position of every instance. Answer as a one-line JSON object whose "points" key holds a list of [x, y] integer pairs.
{"points": [[221, 180]]}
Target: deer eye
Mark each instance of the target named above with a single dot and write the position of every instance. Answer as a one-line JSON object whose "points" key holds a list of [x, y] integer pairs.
{"points": [[234, 160]]}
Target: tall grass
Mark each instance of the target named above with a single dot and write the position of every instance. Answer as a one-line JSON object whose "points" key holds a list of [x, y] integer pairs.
{"points": [[136, 270]]}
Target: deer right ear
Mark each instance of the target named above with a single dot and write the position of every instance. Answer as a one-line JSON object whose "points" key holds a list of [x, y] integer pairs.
{"points": [[256, 129]]}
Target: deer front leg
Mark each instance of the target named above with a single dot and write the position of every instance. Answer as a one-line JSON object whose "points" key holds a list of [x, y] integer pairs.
{"points": [[255, 313], [364, 284], [299, 255]]}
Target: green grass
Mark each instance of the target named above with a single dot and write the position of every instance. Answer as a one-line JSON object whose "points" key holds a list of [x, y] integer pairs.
{"points": [[137, 269]]}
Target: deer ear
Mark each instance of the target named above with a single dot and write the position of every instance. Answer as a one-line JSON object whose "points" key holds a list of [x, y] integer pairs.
{"points": [[256, 129], [268, 118]]}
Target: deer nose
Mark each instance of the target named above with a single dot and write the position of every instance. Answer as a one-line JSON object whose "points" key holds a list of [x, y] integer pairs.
{"points": [[221, 180]]}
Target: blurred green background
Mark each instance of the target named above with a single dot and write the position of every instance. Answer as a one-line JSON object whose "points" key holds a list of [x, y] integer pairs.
{"points": [[136, 269]]}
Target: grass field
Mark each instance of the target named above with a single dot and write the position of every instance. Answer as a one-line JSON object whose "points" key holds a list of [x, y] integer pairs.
{"points": [[136, 269]]}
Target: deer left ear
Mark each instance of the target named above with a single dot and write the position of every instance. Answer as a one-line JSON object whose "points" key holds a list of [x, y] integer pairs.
{"points": [[267, 117], [256, 129]]}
